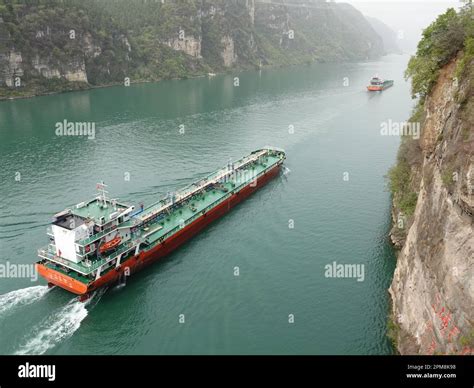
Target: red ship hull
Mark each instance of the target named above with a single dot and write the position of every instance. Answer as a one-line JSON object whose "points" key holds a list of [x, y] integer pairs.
{"points": [[145, 258], [375, 88]]}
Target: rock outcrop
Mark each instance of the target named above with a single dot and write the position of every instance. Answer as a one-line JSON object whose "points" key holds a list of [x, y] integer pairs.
{"points": [[86, 43], [11, 63], [228, 53], [433, 285], [187, 44]]}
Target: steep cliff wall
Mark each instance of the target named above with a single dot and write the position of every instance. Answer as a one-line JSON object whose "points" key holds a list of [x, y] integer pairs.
{"points": [[60, 45], [314, 31], [433, 285], [52, 48], [389, 36]]}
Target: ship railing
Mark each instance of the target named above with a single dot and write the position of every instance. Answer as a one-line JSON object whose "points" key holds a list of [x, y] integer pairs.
{"points": [[98, 263], [44, 253], [273, 148], [96, 236], [82, 267], [187, 192], [210, 206], [49, 231]]}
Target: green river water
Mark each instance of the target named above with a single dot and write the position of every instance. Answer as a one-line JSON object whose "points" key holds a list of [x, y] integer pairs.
{"points": [[333, 193]]}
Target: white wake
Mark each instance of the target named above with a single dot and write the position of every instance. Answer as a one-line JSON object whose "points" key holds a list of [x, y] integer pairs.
{"points": [[22, 297], [58, 326]]}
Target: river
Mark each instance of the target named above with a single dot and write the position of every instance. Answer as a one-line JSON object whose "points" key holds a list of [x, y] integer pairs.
{"points": [[330, 206]]}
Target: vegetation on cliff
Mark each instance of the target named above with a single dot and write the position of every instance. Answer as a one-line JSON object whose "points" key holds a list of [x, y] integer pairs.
{"points": [[451, 33], [431, 298], [449, 37], [402, 181], [51, 45]]}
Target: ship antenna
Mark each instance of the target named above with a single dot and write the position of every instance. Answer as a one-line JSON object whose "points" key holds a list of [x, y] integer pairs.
{"points": [[102, 192]]}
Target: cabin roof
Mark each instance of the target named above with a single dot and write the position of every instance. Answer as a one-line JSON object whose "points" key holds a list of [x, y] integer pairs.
{"points": [[95, 210]]}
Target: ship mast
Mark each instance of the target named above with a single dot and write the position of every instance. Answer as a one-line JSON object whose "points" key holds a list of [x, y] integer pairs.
{"points": [[102, 193]]}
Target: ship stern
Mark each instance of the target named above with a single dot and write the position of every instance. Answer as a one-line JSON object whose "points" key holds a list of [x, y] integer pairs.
{"points": [[61, 280]]}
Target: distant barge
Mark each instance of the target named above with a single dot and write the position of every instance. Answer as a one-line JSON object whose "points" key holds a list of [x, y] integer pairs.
{"points": [[101, 241], [377, 84]]}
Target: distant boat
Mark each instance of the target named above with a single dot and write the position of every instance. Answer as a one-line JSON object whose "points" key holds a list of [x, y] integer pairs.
{"points": [[377, 84], [211, 75]]}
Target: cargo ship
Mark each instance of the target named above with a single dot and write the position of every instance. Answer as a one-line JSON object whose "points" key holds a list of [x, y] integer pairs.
{"points": [[377, 84], [101, 241]]}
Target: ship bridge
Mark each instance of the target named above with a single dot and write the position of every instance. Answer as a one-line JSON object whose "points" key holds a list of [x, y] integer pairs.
{"points": [[100, 212], [74, 230]]}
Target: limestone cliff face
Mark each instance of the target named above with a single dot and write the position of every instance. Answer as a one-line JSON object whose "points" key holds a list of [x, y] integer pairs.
{"points": [[323, 31], [73, 71], [250, 5], [70, 45], [228, 54], [433, 285], [18, 66], [187, 44], [11, 63]]}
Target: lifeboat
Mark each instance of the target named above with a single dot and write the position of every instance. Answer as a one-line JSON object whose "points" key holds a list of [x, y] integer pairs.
{"points": [[109, 245]]}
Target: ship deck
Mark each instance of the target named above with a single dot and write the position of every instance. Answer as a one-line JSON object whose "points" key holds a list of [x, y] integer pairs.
{"points": [[205, 201], [149, 234], [73, 274], [94, 210]]}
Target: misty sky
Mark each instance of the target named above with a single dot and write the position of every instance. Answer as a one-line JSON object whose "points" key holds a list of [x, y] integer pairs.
{"points": [[408, 18]]}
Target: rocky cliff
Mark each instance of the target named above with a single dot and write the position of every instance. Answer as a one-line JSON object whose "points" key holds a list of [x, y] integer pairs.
{"points": [[433, 285], [52, 45]]}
